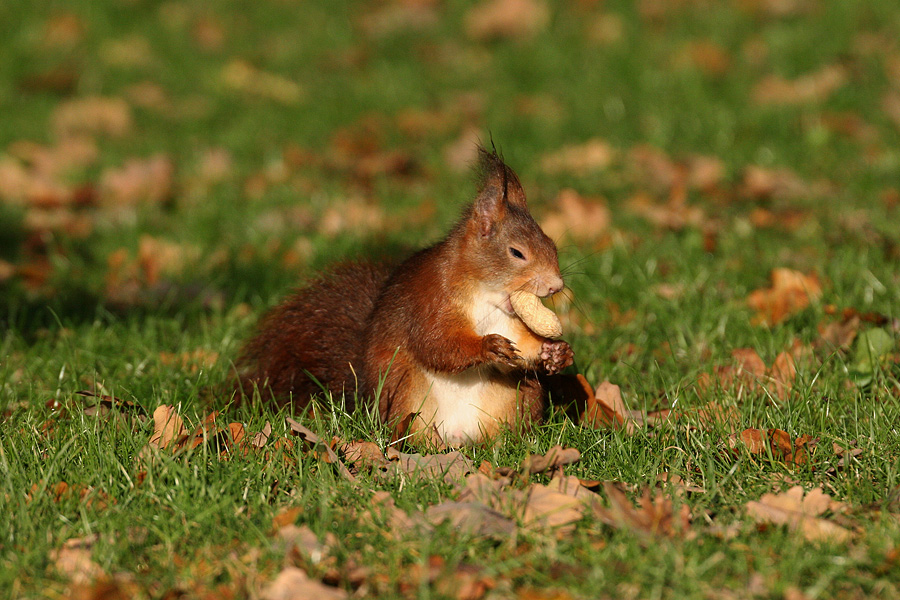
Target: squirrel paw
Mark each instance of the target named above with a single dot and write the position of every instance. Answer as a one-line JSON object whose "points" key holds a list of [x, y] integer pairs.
{"points": [[499, 349], [556, 355]]}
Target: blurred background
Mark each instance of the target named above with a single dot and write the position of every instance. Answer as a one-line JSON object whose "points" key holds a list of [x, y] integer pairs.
{"points": [[178, 155]]}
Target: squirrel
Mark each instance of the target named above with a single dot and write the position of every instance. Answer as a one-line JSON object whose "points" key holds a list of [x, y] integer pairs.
{"points": [[434, 341]]}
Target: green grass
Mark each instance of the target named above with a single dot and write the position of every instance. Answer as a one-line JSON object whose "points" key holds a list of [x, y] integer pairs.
{"points": [[196, 524]]}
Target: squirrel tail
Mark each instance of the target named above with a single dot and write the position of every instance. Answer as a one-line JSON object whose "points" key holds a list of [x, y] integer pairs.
{"points": [[314, 339]]}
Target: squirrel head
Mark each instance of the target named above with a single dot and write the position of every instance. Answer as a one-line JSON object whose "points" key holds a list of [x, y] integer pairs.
{"points": [[511, 251]]}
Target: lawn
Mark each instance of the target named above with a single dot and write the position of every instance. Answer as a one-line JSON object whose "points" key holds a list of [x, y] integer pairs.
{"points": [[721, 179]]}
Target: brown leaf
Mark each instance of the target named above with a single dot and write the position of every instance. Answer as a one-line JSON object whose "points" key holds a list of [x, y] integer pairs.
{"points": [[556, 457], [294, 584], [708, 56], [654, 516], [168, 427], [314, 441], [451, 467], [74, 560], [547, 508], [582, 159], [760, 183], [92, 115], [577, 217], [791, 292], [241, 76], [606, 408], [776, 441], [303, 540], [839, 335], [286, 516], [364, 454], [472, 518], [138, 181], [800, 513], [491, 19], [260, 438], [813, 87]]}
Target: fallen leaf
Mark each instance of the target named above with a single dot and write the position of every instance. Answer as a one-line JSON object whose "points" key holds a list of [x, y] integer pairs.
{"points": [[492, 19], [260, 438], [294, 584], [581, 159], [707, 56], [776, 441], [92, 115], [303, 540], [315, 442], [606, 408], [451, 466], [791, 292], [556, 457], [800, 513], [241, 76], [547, 508], [138, 181], [577, 217], [655, 515], [74, 560], [472, 518], [812, 87], [168, 427]]}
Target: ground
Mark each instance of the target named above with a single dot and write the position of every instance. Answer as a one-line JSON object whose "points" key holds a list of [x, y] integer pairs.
{"points": [[720, 177]]}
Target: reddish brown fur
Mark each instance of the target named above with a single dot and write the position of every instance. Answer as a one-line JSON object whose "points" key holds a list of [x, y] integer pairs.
{"points": [[318, 330], [430, 318]]}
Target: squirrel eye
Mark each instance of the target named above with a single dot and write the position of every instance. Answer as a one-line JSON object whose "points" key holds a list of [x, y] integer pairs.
{"points": [[515, 252]]}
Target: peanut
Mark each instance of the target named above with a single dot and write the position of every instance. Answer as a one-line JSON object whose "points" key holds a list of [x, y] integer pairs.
{"points": [[537, 317]]}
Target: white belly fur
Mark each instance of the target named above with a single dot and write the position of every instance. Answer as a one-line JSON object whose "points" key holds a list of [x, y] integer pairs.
{"points": [[466, 404]]}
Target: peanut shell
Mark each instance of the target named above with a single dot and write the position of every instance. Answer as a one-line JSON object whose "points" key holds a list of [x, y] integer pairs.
{"points": [[537, 317]]}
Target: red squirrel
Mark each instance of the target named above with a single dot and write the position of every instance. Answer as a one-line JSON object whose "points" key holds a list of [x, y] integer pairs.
{"points": [[435, 341]]}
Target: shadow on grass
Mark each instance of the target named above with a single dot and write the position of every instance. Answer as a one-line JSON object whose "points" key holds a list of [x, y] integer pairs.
{"points": [[71, 303]]}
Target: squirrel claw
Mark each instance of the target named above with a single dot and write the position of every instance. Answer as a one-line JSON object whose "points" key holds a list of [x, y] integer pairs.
{"points": [[556, 355], [499, 349]]}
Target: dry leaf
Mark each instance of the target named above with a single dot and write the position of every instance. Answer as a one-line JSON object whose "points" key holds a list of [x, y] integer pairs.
{"points": [[92, 115], [74, 560], [294, 584], [791, 292], [759, 183], [582, 159], [801, 513], [606, 408], [549, 509], [491, 19], [451, 467], [472, 518], [243, 77], [813, 87], [577, 217], [655, 515], [776, 441], [168, 427], [555, 457], [138, 181], [315, 442]]}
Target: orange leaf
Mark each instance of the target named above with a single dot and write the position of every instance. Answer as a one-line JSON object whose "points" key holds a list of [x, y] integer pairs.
{"points": [[791, 292]]}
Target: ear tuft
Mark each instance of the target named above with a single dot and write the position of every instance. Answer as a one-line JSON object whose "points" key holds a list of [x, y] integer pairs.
{"points": [[494, 173]]}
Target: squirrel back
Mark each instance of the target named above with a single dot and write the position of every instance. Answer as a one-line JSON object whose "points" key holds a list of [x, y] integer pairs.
{"points": [[436, 341], [313, 339]]}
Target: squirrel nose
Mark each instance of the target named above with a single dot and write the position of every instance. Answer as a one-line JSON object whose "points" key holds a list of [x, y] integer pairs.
{"points": [[555, 286]]}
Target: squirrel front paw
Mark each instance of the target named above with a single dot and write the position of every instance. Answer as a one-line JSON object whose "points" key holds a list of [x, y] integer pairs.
{"points": [[556, 355], [499, 349]]}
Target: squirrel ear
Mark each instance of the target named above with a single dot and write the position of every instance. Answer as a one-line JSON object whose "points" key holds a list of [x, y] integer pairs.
{"points": [[499, 186]]}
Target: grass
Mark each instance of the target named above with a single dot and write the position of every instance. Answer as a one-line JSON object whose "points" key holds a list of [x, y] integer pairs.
{"points": [[196, 525]]}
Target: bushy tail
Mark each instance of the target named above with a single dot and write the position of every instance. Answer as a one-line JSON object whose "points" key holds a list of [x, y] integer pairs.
{"points": [[314, 337]]}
